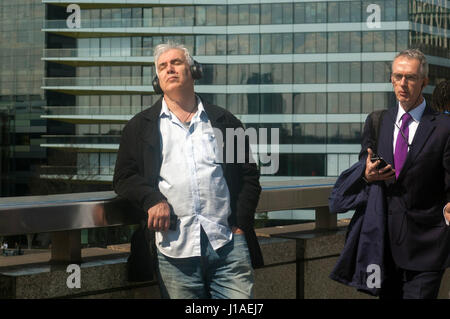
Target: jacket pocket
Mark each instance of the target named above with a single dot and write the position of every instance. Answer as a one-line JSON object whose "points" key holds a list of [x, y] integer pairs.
{"points": [[429, 218]]}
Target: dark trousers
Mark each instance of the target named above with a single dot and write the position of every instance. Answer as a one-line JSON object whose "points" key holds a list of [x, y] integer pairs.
{"points": [[408, 284]]}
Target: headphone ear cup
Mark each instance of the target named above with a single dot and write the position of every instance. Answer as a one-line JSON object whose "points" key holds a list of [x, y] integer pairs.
{"points": [[156, 87], [196, 70]]}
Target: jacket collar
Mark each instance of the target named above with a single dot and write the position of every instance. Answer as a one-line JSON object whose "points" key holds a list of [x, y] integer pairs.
{"points": [[214, 113], [425, 128]]}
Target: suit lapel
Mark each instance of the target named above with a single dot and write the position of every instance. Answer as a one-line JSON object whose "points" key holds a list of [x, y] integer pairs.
{"points": [[425, 128], [385, 147]]}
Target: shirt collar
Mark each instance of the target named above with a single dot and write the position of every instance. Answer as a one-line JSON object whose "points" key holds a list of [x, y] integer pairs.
{"points": [[201, 113], [415, 113], [165, 110]]}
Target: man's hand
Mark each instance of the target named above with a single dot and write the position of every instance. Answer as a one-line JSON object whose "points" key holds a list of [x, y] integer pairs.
{"points": [[447, 212], [159, 216], [373, 174], [237, 230]]}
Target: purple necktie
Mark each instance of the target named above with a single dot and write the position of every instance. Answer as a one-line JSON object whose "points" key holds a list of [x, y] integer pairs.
{"points": [[401, 146]]}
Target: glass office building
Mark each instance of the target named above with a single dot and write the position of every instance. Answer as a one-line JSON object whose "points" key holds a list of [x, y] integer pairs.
{"points": [[22, 100], [312, 69]]}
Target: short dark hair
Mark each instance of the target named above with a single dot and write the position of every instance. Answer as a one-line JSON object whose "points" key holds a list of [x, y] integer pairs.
{"points": [[441, 96]]}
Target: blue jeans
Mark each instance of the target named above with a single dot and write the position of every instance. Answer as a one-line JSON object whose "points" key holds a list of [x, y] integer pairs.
{"points": [[223, 274]]}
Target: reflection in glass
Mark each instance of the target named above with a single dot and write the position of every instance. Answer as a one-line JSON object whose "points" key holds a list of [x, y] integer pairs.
{"points": [[378, 41], [355, 72], [288, 17], [310, 12], [211, 45], [299, 73], [254, 44], [277, 13], [355, 40], [211, 15], [355, 11], [254, 14], [299, 13], [333, 12], [244, 45], [233, 15], [277, 44], [321, 15], [344, 11], [367, 41], [232, 44], [244, 14], [389, 38], [148, 17], [266, 43], [266, 17]]}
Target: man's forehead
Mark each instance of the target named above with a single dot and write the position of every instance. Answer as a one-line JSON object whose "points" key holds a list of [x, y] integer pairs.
{"points": [[171, 55], [403, 62]]}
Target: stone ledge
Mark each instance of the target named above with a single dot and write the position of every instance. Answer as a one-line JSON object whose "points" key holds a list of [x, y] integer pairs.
{"points": [[31, 276], [290, 263]]}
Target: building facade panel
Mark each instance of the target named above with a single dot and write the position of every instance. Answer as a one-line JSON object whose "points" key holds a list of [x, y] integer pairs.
{"points": [[311, 69]]}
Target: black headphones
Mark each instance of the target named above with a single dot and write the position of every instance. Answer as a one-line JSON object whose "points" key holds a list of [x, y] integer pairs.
{"points": [[196, 72]]}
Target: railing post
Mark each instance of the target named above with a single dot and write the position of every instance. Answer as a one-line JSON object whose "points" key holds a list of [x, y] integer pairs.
{"points": [[324, 219], [30, 240], [66, 247]]}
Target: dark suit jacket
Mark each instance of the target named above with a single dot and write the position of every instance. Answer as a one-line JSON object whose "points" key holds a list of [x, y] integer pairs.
{"points": [[419, 238], [139, 161], [364, 242]]}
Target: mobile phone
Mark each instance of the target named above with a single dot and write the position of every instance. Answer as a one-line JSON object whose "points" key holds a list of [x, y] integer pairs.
{"points": [[375, 158]]}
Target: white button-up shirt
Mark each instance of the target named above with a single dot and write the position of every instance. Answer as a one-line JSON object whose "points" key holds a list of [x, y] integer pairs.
{"points": [[193, 183], [416, 115]]}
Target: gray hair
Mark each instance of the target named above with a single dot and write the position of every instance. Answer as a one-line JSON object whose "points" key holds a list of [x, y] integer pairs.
{"points": [[164, 47], [415, 54]]}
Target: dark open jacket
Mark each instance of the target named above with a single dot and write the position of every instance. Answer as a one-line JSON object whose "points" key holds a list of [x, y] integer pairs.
{"points": [[366, 233], [364, 243], [139, 161]]}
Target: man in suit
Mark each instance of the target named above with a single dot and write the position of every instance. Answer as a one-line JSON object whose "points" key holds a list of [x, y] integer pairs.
{"points": [[414, 140], [167, 165]]}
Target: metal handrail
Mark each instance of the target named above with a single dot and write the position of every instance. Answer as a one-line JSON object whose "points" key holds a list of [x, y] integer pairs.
{"points": [[65, 212], [64, 216]]}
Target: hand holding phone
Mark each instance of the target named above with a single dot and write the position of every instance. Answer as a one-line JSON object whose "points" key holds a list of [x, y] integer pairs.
{"points": [[377, 172], [382, 163]]}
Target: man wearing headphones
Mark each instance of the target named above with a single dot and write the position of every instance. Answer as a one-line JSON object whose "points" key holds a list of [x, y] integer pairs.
{"points": [[414, 141], [202, 210]]}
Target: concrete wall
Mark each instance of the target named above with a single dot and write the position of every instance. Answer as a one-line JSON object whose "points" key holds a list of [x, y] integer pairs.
{"points": [[295, 267]]}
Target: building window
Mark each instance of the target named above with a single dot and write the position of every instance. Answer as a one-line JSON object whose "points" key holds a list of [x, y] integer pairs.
{"points": [[233, 15], [301, 165]]}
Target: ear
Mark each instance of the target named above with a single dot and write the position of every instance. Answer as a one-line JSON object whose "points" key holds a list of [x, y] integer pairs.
{"points": [[425, 82]]}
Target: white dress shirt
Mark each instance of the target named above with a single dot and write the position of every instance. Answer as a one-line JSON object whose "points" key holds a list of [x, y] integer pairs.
{"points": [[193, 183], [416, 115]]}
